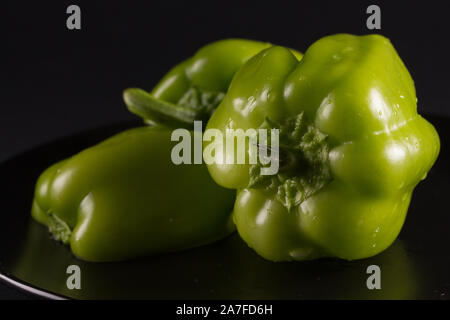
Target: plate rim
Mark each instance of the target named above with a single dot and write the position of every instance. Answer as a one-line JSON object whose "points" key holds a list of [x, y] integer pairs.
{"points": [[27, 288]]}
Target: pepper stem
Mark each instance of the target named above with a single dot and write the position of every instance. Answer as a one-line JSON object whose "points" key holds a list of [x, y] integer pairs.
{"points": [[158, 111]]}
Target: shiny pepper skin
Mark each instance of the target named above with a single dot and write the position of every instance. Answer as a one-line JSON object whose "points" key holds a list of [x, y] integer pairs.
{"points": [[348, 120]]}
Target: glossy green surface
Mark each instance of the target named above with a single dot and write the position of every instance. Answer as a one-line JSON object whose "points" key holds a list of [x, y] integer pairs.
{"points": [[124, 198], [356, 92]]}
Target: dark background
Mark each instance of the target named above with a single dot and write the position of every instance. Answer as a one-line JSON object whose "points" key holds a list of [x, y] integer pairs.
{"points": [[59, 81]]}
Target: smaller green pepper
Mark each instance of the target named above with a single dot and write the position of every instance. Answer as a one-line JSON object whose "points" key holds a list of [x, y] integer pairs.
{"points": [[193, 89], [125, 198]]}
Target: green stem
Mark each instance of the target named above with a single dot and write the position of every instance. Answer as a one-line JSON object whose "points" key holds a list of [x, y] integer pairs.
{"points": [[154, 110]]}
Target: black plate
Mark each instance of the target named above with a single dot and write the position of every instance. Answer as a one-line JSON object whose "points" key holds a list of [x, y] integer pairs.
{"points": [[417, 265]]}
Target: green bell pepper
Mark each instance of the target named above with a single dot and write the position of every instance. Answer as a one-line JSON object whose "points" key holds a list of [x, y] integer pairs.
{"points": [[194, 88], [124, 198], [352, 148]]}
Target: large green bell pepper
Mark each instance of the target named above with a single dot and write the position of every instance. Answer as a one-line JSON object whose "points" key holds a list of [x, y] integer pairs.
{"points": [[352, 148], [124, 197]]}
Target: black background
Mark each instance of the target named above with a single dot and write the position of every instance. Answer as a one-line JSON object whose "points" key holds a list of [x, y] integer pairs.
{"points": [[60, 81]]}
